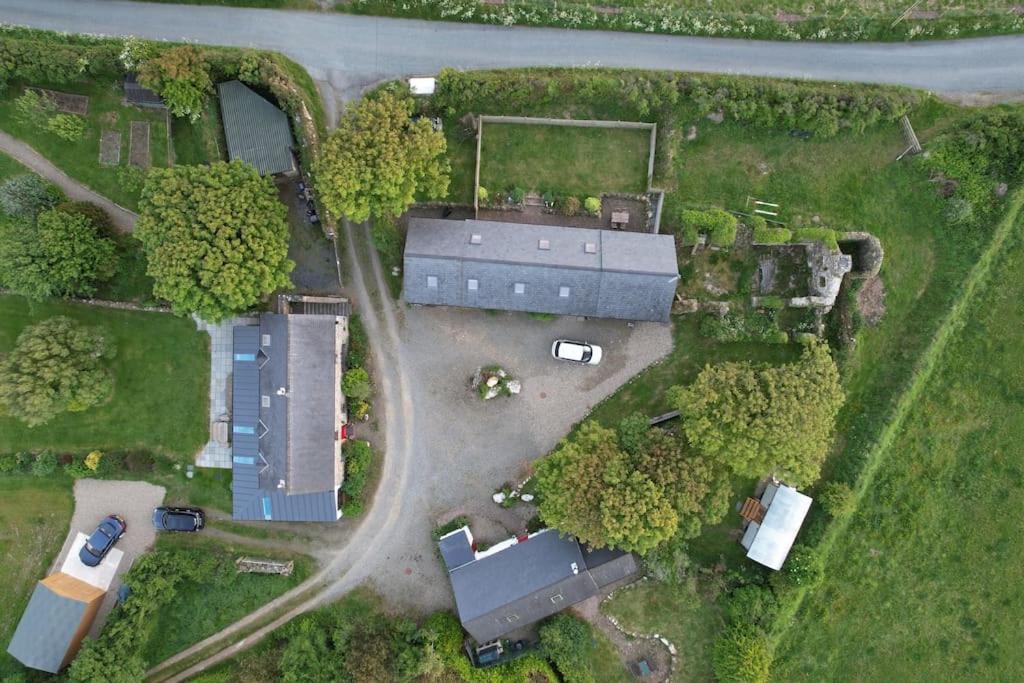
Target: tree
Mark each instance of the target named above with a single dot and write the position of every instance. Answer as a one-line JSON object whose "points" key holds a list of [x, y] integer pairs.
{"points": [[756, 419], [56, 365], [58, 254], [215, 237], [26, 195], [379, 159], [741, 655], [569, 643], [636, 514], [356, 384], [181, 76]]}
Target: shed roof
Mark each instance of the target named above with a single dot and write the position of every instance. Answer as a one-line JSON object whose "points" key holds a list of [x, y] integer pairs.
{"points": [[256, 131], [48, 626], [777, 532]]}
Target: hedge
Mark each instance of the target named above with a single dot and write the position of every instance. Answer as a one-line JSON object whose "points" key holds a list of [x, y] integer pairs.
{"points": [[827, 236], [767, 235], [719, 225]]}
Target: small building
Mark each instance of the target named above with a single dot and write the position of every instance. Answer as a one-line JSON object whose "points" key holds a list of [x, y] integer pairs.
{"points": [[540, 269], [257, 132], [138, 95], [57, 618], [772, 523], [289, 414], [525, 579]]}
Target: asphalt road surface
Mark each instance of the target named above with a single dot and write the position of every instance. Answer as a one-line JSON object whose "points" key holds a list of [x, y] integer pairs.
{"points": [[346, 50]]}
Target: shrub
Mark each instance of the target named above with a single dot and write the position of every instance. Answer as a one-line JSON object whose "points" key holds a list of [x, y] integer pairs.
{"points": [[356, 384], [804, 566], [773, 235], [66, 126], [959, 211], [837, 499], [9, 463], [77, 468], [93, 460], [27, 195], [96, 215], [482, 194], [755, 222], [34, 109], [570, 206], [44, 465], [358, 342], [741, 655], [592, 205], [131, 178], [752, 604], [358, 456], [826, 236], [449, 526], [742, 326], [569, 643], [718, 225], [181, 76], [774, 302]]}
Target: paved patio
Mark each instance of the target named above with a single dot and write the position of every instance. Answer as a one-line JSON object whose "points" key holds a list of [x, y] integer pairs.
{"points": [[216, 454]]}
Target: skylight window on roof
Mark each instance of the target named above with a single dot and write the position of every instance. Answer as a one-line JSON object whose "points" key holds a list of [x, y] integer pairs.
{"points": [[476, 239], [563, 292], [472, 285], [520, 288], [265, 340], [590, 248], [544, 245], [432, 281]]}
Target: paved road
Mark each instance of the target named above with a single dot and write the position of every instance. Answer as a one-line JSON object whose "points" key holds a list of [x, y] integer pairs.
{"points": [[123, 219], [350, 50]]}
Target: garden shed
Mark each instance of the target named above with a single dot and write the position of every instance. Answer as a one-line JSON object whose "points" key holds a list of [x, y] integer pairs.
{"points": [[772, 523]]}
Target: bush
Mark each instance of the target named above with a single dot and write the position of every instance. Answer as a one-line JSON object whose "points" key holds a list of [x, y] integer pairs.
{"points": [[449, 527], [826, 236], [358, 456], [27, 195], [837, 499], [356, 384], [181, 76], [96, 215], [718, 225], [482, 194], [959, 211], [766, 235], [741, 655], [752, 604], [77, 468], [592, 205], [570, 206], [66, 126], [569, 643], [358, 343], [34, 109], [804, 566], [742, 326], [9, 463], [44, 465], [773, 302], [131, 178]]}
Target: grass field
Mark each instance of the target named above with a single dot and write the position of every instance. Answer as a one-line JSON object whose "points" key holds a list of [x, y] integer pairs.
{"points": [[161, 379], [562, 160], [80, 159], [201, 142], [9, 167], [34, 518], [926, 581], [200, 610]]}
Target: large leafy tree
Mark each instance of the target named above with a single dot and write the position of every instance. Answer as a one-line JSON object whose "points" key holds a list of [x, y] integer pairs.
{"points": [[56, 365], [60, 253], [758, 419], [181, 76], [379, 159], [216, 238]]}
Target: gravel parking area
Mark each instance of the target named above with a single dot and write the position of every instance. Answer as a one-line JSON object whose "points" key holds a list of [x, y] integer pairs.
{"points": [[466, 447], [133, 500]]}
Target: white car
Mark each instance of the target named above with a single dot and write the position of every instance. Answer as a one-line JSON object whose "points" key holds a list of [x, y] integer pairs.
{"points": [[577, 352]]}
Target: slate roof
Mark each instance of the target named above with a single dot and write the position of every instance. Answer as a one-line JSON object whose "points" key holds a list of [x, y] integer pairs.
{"points": [[137, 94], [46, 630], [293, 439], [544, 269], [256, 131], [456, 548], [525, 582]]}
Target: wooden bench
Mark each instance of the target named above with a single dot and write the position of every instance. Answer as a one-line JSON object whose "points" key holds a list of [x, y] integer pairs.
{"points": [[752, 510]]}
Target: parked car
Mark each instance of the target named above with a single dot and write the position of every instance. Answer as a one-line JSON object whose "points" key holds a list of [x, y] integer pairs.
{"points": [[96, 547], [577, 352], [178, 519]]}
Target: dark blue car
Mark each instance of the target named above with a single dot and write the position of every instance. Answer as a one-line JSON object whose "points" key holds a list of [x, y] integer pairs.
{"points": [[102, 540]]}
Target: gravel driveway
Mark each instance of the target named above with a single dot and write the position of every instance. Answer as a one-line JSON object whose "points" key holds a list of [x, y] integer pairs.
{"points": [[465, 448], [133, 500]]}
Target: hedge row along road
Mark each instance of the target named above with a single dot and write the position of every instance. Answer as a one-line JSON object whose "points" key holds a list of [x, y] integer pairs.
{"points": [[347, 50]]}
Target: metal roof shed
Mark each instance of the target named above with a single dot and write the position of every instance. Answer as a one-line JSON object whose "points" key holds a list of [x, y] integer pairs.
{"points": [[257, 132], [769, 542]]}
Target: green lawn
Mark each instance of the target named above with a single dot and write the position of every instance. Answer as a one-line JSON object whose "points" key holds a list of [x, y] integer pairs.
{"points": [[9, 167], [927, 580], [200, 610], [201, 142], [161, 380], [34, 518], [80, 159], [560, 159], [677, 612]]}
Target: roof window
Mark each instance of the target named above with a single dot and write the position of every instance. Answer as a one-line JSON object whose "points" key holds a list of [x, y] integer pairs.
{"points": [[476, 239], [432, 281], [590, 248], [265, 340], [472, 285], [544, 245], [563, 292], [520, 288]]}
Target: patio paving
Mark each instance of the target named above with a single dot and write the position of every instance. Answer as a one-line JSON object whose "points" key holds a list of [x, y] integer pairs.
{"points": [[216, 454]]}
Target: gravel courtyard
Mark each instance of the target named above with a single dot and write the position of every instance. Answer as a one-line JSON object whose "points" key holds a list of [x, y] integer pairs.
{"points": [[465, 448]]}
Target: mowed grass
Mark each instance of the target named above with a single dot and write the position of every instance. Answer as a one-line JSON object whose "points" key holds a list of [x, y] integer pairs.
{"points": [[201, 142], [161, 381], [80, 159], [9, 167], [34, 518], [200, 610], [563, 160], [927, 582]]}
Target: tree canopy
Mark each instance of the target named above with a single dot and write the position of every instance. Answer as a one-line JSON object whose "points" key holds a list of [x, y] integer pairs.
{"points": [[569, 643], [379, 159], [632, 490], [181, 77], [56, 365], [216, 238], [26, 195], [60, 253], [758, 419]]}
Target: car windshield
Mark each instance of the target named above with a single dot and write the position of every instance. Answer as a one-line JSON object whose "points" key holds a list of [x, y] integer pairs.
{"points": [[98, 540]]}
